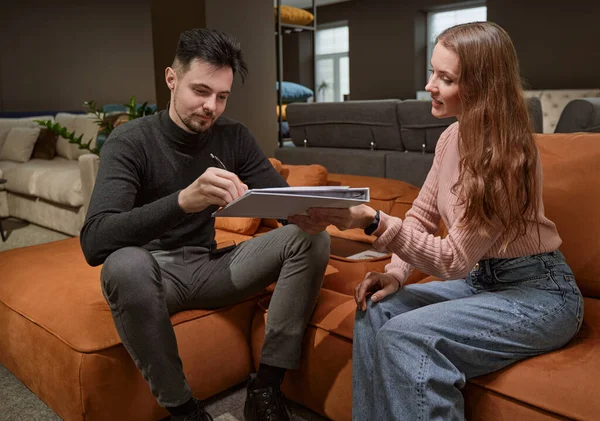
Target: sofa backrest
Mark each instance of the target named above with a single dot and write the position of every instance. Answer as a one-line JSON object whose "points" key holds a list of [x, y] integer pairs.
{"points": [[351, 124], [571, 197], [80, 124], [580, 115], [419, 129]]}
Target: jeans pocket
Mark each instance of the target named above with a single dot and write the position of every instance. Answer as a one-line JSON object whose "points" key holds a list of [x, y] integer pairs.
{"points": [[521, 269]]}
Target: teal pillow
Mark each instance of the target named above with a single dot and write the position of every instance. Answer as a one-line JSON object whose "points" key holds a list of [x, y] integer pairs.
{"points": [[294, 92]]}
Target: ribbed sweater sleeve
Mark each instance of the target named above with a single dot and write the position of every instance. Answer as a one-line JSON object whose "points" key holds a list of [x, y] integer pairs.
{"points": [[113, 220], [415, 243]]}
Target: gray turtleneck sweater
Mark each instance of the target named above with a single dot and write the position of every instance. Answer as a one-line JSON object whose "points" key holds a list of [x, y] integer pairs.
{"points": [[144, 164]]}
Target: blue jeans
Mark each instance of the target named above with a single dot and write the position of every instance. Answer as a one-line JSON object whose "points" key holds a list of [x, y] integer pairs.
{"points": [[414, 350]]}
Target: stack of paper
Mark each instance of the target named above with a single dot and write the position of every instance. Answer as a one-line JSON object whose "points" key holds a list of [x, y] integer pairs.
{"points": [[281, 202]]}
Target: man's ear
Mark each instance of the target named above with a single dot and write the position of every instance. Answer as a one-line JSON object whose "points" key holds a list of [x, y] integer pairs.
{"points": [[170, 78]]}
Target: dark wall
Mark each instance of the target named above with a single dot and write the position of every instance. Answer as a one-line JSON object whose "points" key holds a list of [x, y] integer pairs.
{"points": [[254, 103], [168, 22], [557, 43], [56, 55], [298, 58]]}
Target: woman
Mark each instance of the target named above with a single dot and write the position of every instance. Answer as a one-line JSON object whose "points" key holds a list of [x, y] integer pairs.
{"points": [[514, 297]]}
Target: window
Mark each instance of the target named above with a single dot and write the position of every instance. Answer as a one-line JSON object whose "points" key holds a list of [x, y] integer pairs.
{"points": [[439, 21], [332, 63]]}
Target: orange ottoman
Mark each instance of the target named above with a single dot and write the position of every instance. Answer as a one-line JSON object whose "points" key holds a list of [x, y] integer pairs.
{"points": [[59, 339]]}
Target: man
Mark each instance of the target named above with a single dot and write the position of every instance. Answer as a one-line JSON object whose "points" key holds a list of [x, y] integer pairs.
{"points": [[150, 223]]}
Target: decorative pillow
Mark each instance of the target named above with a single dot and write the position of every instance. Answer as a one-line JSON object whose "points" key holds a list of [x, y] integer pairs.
{"points": [[246, 226], [45, 147], [294, 15], [276, 164], [19, 144], [305, 175], [294, 92], [283, 109]]}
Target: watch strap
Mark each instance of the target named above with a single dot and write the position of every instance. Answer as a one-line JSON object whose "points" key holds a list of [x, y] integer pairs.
{"points": [[374, 225]]}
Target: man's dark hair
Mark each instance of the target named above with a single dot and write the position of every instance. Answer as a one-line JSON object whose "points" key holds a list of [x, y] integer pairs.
{"points": [[213, 47]]}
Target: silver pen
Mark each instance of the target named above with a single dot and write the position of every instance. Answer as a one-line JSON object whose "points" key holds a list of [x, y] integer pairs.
{"points": [[218, 162]]}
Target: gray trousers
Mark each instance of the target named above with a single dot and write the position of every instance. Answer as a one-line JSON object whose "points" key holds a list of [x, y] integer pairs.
{"points": [[144, 288]]}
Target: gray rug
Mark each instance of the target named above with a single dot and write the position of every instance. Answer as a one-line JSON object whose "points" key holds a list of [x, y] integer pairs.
{"points": [[22, 234]]}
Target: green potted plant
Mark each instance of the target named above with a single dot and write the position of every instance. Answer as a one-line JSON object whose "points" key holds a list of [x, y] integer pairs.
{"points": [[106, 121]]}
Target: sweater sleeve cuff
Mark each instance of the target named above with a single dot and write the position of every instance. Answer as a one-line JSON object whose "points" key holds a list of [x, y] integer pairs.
{"points": [[173, 207], [389, 227]]}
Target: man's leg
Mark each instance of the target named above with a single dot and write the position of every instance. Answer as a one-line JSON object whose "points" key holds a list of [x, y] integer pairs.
{"points": [[297, 261], [289, 256], [137, 289]]}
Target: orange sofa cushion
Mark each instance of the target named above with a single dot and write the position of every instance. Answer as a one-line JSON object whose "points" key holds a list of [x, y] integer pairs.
{"points": [[58, 337], [304, 175], [60, 293], [571, 196], [562, 382], [244, 226]]}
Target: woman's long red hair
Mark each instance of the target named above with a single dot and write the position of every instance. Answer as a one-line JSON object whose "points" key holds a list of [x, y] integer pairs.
{"points": [[498, 154]]}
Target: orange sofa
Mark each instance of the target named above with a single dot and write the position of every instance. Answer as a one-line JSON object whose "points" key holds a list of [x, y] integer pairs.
{"points": [[57, 334], [556, 386], [58, 337]]}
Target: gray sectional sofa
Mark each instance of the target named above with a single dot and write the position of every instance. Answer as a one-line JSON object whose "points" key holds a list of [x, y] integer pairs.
{"points": [[382, 138], [580, 115]]}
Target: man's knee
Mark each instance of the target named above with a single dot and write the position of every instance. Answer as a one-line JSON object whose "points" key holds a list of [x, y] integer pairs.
{"points": [[317, 245], [127, 270]]}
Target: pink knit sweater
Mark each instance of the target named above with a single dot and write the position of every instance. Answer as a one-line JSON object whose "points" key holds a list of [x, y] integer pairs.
{"points": [[413, 240]]}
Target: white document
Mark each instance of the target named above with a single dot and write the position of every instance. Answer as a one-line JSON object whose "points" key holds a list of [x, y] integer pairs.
{"points": [[281, 202], [367, 255]]}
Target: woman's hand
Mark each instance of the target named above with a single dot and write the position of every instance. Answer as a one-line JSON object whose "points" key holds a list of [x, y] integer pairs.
{"points": [[381, 284], [359, 216]]}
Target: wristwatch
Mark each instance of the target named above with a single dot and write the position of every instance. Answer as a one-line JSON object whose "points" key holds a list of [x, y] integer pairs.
{"points": [[373, 226]]}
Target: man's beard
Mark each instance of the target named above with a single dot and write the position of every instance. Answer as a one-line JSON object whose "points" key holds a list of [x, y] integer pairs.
{"points": [[194, 125]]}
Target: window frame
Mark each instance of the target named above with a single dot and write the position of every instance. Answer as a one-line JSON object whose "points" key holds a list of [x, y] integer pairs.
{"points": [[428, 24], [337, 95]]}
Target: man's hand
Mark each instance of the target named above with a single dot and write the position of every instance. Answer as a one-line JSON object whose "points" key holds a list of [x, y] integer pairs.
{"points": [[381, 284], [307, 224], [359, 216], [214, 187]]}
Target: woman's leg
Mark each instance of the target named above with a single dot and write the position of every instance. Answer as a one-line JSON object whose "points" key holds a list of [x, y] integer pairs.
{"points": [[422, 358], [368, 323]]}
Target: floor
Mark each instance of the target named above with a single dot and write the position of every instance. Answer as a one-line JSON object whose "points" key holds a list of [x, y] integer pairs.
{"points": [[21, 234]]}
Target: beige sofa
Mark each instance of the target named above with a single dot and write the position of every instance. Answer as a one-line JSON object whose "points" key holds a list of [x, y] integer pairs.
{"points": [[50, 192]]}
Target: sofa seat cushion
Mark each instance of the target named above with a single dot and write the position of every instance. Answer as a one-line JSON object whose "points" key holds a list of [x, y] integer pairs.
{"points": [[562, 382], [57, 180], [34, 285]]}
